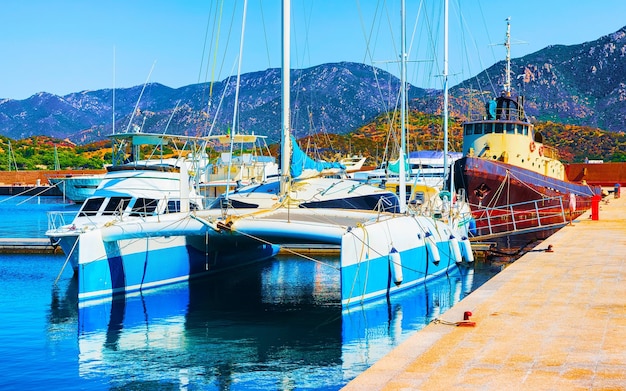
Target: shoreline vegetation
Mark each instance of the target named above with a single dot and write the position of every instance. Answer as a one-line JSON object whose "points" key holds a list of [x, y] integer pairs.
{"points": [[576, 144]]}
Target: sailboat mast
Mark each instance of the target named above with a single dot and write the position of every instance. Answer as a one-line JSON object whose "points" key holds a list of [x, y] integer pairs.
{"points": [[286, 98], [113, 98], [233, 132], [402, 171], [445, 93]]}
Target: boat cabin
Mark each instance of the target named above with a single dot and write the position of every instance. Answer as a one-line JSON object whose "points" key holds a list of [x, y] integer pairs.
{"points": [[504, 133]]}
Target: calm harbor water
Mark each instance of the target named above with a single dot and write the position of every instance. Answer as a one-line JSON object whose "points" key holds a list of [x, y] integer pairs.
{"points": [[275, 326]]}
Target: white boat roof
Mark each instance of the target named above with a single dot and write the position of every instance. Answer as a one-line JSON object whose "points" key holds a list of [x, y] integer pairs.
{"points": [[238, 138], [434, 155], [138, 138]]}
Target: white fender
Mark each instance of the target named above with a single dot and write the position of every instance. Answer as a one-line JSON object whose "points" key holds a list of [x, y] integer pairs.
{"points": [[396, 266], [431, 246], [455, 249], [467, 247]]}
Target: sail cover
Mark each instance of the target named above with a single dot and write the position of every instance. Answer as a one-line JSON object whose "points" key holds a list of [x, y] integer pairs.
{"points": [[303, 166]]}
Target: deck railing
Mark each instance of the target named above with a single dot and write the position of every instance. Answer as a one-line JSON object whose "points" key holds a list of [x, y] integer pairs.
{"points": [[58, 219], [531, 216]]}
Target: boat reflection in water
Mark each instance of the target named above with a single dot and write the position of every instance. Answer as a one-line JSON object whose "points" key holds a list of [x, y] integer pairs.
{"points": [[278, 325]]}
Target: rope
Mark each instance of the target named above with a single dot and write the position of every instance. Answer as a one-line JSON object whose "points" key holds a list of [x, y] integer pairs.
{"points": [[66, 261], [286, 249], [448, 323], [24, 192], [36, 195]]}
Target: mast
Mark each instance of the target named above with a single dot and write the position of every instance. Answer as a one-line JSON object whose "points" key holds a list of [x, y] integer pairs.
{"points": [[113, 103], [233, 133], [285, 145], [402, 158], [507, 45], [57, 165], [445, 93]]}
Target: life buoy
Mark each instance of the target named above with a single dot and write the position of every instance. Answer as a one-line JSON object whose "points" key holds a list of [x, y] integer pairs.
{"points": [[541, 150], [532, 146]]}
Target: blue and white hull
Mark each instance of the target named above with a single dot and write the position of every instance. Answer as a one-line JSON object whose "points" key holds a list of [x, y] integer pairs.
{"points": [[120, 260], [385, 257]]}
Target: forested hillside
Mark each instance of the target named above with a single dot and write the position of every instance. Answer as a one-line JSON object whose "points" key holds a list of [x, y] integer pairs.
{"points": [[375, 140]]}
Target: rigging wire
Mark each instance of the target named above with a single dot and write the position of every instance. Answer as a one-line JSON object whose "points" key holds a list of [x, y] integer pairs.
{"points": [[267, 46]]}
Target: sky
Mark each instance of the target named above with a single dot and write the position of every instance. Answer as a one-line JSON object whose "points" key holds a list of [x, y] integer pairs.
{"points": [[66, 46]]}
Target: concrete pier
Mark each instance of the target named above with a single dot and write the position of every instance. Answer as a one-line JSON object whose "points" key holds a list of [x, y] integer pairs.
{"points": [[550, 321]]}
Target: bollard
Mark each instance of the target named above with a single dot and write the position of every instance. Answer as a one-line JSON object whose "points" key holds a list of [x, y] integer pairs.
{"points": [[616, 190], [595, 206]]}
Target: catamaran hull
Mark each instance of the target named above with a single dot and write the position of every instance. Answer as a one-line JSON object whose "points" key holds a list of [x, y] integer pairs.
{"points": [[385, 257], [110, 265], [493, 186]]}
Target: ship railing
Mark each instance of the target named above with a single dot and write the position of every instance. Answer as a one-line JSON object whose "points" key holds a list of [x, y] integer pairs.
{"points": [[523, 217], [501, 114], [550, 152], [58, 219]]}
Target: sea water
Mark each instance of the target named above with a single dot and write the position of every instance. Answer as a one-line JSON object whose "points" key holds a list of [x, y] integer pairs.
{"points": [[277, 325]]}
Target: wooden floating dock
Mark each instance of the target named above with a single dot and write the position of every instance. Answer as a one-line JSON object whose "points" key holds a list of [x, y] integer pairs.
{"points": [[550, 321], [27, 246]]}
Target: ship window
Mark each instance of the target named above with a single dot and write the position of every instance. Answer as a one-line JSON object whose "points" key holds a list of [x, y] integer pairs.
{"points": [[510, 128], [499, 128], [144, 207], [469, 129], [91, 206], [478, 129], [173, 206], [116, 204], [488, 128], [525, 130]]}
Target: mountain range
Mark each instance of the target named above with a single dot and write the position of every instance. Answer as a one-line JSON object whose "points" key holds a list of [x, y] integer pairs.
{"points": [[582, 84]]}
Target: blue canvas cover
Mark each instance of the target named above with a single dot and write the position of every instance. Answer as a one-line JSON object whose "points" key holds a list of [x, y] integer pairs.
{"points": [[301, 162]]}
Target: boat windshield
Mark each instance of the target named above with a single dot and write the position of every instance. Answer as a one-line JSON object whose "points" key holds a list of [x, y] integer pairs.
{"points": [[116, 205], [91, 206], [144, 207]]}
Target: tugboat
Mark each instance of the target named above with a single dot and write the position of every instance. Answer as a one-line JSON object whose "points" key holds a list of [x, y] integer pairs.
{"points": [[515, 182]]}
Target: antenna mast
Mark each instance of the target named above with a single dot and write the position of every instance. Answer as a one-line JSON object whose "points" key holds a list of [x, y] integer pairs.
{"points": [[507, 45]]}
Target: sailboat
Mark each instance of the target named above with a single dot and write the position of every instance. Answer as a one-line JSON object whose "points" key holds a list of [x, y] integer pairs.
{"points": [[381, 251]]}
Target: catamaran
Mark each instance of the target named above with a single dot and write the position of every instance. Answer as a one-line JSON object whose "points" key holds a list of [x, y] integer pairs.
{"points": [[148, 228]]}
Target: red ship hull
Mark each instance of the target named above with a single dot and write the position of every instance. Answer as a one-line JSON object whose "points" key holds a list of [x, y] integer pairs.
{"points": [[506, 198]]}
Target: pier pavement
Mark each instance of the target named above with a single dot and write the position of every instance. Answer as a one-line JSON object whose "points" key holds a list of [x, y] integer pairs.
{"points": [[550, 321]]}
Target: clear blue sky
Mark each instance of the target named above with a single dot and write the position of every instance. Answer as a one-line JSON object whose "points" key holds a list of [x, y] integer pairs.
{"points": [[64, 46]]}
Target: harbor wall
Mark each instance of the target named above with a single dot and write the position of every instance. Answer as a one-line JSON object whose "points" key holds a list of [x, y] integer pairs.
{"points": [[39, 177]]}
